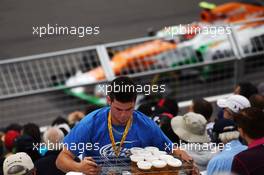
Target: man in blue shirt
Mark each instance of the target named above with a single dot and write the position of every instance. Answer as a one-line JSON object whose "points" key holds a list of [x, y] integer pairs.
{"points": [[111, 131], [227, 133]]}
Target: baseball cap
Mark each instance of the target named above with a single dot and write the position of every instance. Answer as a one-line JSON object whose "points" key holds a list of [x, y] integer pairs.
{"points": [[234, 102], [224, 125], [10, 139], [18, 164], [191, 128]]}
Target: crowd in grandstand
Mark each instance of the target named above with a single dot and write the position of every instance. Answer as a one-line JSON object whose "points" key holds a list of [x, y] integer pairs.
{"points": [[234, 132]]}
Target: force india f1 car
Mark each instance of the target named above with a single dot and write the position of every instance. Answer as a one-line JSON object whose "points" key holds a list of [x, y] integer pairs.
{"points": [[203, 41]]}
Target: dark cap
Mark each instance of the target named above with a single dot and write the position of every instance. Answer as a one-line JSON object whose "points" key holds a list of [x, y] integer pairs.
{"points": [[224, 125]]}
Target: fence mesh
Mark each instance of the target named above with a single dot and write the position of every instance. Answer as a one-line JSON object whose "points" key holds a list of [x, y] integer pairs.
{"points": [[38, 74]]}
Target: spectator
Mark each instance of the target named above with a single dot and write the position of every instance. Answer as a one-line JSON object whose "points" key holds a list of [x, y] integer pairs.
{"points": [[65, 128], [7, 145], [165, 110], [31, 129], [203, 107], [18, 164], [75, 117], [250, 122], [245, 89], [257, 101], [191, 129], [26, 143], [9, 138], [30, 137], [62, 124], [53, 138], [164, 122], [232, 105], [226, 131], [164, 105], [170, 106], [149, 109]]}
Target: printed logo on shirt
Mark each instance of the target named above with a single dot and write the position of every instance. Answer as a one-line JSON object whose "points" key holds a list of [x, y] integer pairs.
{"points": [[107, 150]]}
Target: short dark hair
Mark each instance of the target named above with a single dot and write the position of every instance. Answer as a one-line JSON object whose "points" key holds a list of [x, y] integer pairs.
{"points": [[13, 126], [247, 89], [33, 130], [126, 92], [251, 120], [202, 107], [59, 120], [257, 101]]}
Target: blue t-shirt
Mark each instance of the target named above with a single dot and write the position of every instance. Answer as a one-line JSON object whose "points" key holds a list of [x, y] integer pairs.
{"points": [[90, 137], [222, 162]]}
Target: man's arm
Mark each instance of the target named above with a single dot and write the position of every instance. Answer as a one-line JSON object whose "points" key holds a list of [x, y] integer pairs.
{"points": [[65, 162]]}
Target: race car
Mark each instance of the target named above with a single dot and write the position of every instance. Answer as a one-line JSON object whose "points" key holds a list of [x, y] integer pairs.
{"points": [[198, 44], [123, 59], [230, 12], [208, 38]]}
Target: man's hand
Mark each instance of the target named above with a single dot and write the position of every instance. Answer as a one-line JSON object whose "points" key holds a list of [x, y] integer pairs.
{"points": [[183, 155], [88, 166], [193, 170]]}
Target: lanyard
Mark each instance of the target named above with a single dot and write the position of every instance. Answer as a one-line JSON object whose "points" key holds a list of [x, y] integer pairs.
{"points": [[128, 125]]}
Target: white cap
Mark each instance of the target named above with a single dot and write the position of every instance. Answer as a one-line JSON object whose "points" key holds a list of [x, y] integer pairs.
{"points": [[165, 157], [234, 102], [16, 164], [159, 163], [174, 162], [144, 165], [74, 173], [136, 150], [151, 149], [159, 153], [151, 158], [136, 158], [144, 153]]}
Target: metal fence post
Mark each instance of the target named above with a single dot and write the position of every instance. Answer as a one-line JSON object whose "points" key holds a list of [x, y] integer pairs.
{"points": [[237, 49], [105, 62]]}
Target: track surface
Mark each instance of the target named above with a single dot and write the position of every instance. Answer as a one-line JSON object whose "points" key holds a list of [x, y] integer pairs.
{"points": [[117, 19]]}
